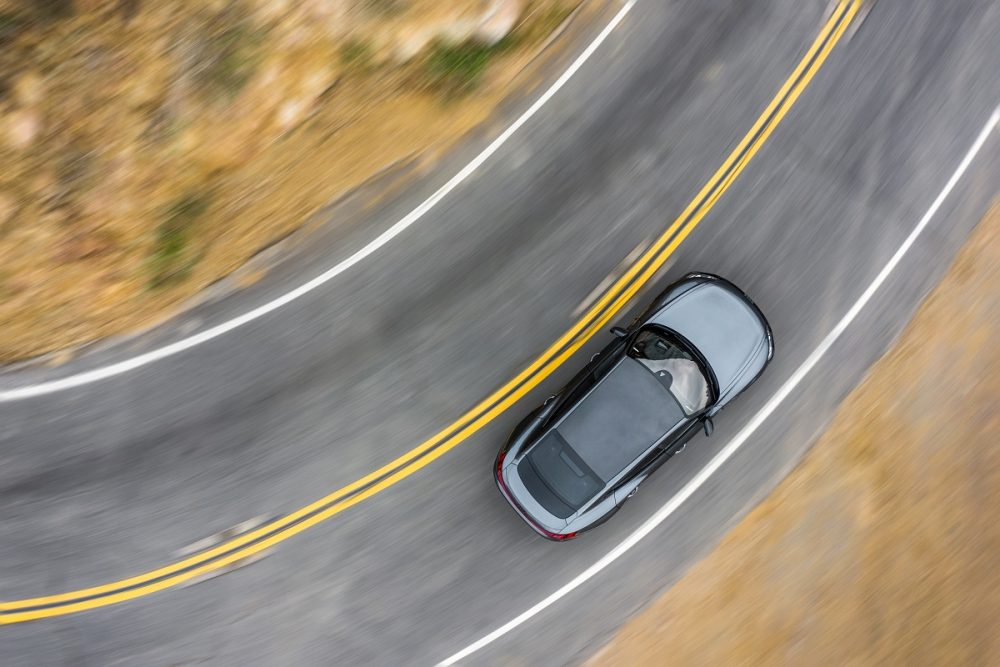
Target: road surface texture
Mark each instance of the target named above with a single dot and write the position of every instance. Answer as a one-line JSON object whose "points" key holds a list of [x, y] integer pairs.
{"points": [[113, 478], [902, 487]]}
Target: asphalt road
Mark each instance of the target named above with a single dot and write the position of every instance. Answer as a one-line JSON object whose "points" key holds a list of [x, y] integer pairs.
{"points": [[110, 479]]}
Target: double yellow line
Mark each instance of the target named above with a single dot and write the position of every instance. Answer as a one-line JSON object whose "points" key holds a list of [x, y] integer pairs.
{"points": [[596, 318]]}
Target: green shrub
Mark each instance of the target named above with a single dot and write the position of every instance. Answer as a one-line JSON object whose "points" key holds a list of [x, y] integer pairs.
{"points": [[356, 54], [172, 257], [10, 26], [458, 68], [226, 61]]}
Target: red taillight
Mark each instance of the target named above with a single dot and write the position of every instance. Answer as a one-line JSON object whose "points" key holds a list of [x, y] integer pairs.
{"points": [[560, 536], [500, 457]]}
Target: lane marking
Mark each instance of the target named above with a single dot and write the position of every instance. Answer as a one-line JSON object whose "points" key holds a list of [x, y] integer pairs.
{"points": [[744, 434], [132, 363], [602, 287], [600, 314]]}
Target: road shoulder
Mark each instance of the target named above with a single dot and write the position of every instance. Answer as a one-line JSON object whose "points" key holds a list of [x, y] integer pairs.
{"points": [[878, 545]]}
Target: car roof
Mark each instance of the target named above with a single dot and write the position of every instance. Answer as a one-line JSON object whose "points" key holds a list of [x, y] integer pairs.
{"points": [[621, 417]]}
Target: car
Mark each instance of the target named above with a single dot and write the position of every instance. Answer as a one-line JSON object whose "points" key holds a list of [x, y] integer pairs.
{"points": [[573, 461]]}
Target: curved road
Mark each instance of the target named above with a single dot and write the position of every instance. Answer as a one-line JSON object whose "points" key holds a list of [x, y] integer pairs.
{"points": [[109, 480]]}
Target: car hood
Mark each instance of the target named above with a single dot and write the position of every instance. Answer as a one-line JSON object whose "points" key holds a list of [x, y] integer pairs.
{"points": [[721, 324]]}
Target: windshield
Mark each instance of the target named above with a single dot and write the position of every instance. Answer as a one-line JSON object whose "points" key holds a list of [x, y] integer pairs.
{"points": [[563, 471], [674, 367]]}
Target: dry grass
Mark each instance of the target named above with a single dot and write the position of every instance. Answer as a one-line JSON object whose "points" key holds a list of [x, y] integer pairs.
{"points": [[883, 546], [116, 115]]}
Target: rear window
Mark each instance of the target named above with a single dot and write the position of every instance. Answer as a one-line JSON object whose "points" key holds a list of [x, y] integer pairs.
{"points": [[563, 471]]}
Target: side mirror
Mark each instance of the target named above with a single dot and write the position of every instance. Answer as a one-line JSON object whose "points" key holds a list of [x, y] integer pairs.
{"points": [[708, 425], [618, 331]]}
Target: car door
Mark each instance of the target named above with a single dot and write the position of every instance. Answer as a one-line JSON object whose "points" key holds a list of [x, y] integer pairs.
{"points": [[680, 439], [650, 462], [672, 443]]}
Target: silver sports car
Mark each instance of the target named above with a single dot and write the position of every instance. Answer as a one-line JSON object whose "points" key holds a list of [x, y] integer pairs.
{"points": [[573, 461]]}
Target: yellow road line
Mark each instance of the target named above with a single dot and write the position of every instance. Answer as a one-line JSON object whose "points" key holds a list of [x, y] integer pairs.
{"points": [[610, 303]]}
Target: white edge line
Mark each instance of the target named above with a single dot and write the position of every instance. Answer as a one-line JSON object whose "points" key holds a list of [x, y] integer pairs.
{"points": [[29, 391], [705, 473]]}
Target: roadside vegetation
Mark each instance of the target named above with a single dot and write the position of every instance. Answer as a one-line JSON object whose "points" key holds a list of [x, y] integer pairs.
{"points": [[882, 547], [150, 149]]}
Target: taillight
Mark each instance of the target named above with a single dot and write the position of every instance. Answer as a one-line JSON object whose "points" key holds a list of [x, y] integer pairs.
{"points": [[560, 536]]}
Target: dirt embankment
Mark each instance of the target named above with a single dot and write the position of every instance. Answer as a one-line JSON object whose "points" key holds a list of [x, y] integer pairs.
{"points": [[150, 148], [883, 546]]}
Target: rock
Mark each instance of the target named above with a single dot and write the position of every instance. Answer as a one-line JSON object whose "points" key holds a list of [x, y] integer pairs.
{"points": [[290, 113], [23, 127], [459, 30], [488, 27], [412, 42], [498, 20], [303, 86]]}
